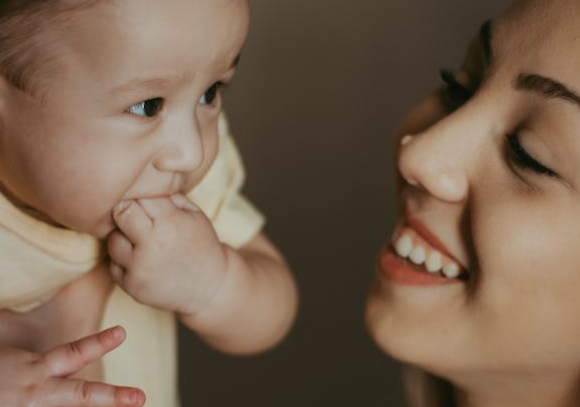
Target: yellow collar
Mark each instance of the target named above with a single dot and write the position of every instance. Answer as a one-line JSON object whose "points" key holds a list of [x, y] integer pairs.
{"points": [[37, 259]]}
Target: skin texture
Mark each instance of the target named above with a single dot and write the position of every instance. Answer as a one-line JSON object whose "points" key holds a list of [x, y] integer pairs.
{"points": [[81, 152], [509, 335], [31, 379]]}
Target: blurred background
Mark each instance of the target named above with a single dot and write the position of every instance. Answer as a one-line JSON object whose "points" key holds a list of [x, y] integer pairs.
{"points": [[320, 90]]}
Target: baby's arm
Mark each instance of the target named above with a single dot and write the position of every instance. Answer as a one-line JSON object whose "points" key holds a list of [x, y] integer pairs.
{"points": [[31, 379], [256, 303], [166, 254]]}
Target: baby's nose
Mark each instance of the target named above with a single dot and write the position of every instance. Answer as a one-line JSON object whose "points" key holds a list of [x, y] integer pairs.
{"points": [[183, 152]]}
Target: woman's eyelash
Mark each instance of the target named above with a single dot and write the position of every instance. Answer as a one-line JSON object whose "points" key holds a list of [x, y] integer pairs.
{"points": [[522, 159], [456, 94]]}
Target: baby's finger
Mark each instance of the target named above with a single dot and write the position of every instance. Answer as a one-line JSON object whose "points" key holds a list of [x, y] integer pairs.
{"points": [[68, 359], [132, 220], [80, 393], [183, 202], [117, 273], [120, 249], [157, 207]]}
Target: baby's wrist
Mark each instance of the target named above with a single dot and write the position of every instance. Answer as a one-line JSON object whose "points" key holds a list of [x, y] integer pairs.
{"points": [[228, 297]]}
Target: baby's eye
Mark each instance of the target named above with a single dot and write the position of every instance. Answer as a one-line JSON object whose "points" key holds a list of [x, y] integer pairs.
{"points": [[210, 94], [456, 93], [147, 108]]}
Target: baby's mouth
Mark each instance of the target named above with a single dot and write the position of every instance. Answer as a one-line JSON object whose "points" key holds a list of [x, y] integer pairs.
{"points": [[425, 254]]}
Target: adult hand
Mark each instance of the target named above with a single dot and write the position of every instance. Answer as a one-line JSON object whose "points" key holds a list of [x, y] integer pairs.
{"points": [[42, 380]]}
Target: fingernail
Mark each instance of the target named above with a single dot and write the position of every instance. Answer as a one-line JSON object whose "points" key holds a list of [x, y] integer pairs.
{"points": [[134, 398], [121, 206], [117, 332], [191, 206], [183, 202]]}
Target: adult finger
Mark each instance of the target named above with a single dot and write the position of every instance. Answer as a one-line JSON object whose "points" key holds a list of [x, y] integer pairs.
{"points": [[68, 359], [120, 249], [132, 221], [81, 393]]}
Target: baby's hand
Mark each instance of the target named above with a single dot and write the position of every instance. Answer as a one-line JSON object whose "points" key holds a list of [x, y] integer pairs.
{"points": [[31, 379], [166, 254]]}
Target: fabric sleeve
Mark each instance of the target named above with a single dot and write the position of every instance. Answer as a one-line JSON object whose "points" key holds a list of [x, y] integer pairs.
{"points": [[234, 218]]}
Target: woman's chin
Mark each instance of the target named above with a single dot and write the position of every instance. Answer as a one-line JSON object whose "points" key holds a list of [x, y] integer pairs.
{"points": [[403, 338]]}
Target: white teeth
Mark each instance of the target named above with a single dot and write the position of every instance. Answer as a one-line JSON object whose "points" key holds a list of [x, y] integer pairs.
{"points": [[404, 246], [451, 270], [418, 255], [433, 262]]}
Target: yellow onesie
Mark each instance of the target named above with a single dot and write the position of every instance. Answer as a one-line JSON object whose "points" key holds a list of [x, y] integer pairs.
{"points": [[36, 260]]}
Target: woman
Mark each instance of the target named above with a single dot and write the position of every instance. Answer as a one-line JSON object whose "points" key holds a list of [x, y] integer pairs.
{"points": [[479, 289]]}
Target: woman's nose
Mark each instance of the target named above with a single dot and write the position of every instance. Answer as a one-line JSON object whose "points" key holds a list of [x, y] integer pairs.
{"points": [[182, 149], [436, 165]]}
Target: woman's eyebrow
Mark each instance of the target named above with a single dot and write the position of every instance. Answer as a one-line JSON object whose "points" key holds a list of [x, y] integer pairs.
{"points": [[547, 87]]}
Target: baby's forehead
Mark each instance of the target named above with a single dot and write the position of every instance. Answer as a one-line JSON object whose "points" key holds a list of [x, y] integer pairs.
{"points": [[111, 45]]}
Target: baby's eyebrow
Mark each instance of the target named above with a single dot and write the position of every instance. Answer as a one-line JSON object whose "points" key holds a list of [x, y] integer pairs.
{"points": [[149, 84], [547, 87], [157, 83]]}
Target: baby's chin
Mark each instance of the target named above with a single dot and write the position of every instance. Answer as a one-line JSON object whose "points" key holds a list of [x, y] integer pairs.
{"points": [[99, 228]]}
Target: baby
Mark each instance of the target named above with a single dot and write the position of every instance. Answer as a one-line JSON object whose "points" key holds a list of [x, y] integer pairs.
{"points": [[120, 201]]}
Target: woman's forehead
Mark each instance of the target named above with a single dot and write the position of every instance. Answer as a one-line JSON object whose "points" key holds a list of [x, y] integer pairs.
{"points": [[539, 35]]}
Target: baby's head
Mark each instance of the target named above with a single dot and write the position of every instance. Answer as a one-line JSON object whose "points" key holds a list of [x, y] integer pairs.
{"points": [[107, 100], [481, 284]]}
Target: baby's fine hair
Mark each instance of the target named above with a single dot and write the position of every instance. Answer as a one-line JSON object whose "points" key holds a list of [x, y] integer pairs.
{"points": [[23, 48]]}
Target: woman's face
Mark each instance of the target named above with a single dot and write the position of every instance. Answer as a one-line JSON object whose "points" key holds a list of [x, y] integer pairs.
{"points": [[490, 209]]}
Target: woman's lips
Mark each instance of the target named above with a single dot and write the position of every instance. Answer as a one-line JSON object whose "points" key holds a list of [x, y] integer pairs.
{"points": [[430, 238], [416, 256]]}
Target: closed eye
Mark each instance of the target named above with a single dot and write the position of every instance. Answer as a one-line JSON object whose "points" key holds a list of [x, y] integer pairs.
{"points": [[524, 160]]}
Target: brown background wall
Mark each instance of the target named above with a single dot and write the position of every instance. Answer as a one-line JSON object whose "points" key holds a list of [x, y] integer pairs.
{"points": [[320, 90]]}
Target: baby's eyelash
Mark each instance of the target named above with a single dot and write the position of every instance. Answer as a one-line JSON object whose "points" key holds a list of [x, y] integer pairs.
{"points": [[523, 160], [147, 108], [212, 93]]}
